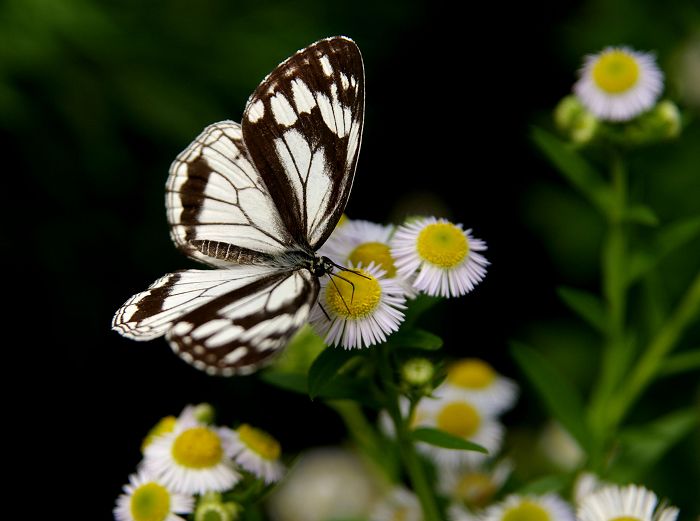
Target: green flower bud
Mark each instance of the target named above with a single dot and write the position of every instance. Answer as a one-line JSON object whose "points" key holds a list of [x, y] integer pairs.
{"points": [[204, 413], [573, 120], [417, 372], [215, 510], [661, 123]]}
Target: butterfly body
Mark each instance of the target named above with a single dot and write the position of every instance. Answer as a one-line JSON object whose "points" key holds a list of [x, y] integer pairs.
{"points": [[256, 201]]}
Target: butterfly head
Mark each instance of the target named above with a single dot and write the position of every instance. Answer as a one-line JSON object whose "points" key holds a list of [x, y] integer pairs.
{"points": [[321, 266]]}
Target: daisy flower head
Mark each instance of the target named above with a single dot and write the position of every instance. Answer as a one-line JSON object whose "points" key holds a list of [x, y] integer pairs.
{"points": [[258, 453], [193, 459], [358, 307], [619, 83], [464, 419], [444, 258], [148, 499], [397, 504], [629, 503], [471, 485], [475, 380], [549, 507], [362, 243]]}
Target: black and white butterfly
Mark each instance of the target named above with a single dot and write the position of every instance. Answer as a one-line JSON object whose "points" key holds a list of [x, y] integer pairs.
{"points": [[257, 200]]}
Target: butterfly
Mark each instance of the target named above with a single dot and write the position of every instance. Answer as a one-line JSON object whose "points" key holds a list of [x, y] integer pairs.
{"points": [[257, 200]]}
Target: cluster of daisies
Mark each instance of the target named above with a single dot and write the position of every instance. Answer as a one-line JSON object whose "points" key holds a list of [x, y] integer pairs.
{"points": [[618, 85], [189, 465], [467, 404], [387, 265]]}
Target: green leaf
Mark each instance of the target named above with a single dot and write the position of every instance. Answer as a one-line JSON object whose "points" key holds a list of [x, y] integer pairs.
{"points": [[417, 307], [326, 366], [640, 214], [416, 339], [641, 447], [669, 239], [586, 305], [560, 397], [339, 388], [551, 483], [445, 440], [681, 363], [288, 381], [576, 170]]}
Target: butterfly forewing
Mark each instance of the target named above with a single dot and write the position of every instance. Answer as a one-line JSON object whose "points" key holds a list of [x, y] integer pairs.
{"points": [[302, 128], [218, 207]]}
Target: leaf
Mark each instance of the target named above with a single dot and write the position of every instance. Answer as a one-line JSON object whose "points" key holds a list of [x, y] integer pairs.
{"points": [[445, 440], [339, 388], [326, 366], [681, 363], [669, 239], [560, 397], [551, 483], [576, 170], [640, 214], [416, 339], [641, 447], [586, 305], [417, 307]]}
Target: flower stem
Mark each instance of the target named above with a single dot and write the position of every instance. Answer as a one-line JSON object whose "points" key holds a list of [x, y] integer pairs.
{"points": [[650, 362], [412, 464]]}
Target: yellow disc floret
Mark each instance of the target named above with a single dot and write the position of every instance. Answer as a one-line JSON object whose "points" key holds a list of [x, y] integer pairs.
{"points": [[475, 489], [259, 442], [616, 71], [442, 244], [625, 518], [471, 373], [459, 419], [526, 511], [198, 448], [355, 297], [376, 252], [150, 502]]}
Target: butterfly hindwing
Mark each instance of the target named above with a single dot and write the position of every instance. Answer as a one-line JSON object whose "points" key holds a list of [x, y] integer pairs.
{"points": [[219, 209], [302, 128], [238, 332]]}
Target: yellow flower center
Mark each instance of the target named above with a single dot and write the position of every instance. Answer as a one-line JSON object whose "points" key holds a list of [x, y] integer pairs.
{"points": [[526, 511], [400, 514], [625, 518], [259, 442], [376, 252], [150, 502], [616, 72], [471, 374], [198, 448], [459, 419], [475, 489], [353, 298], [164, 426], [442, 244]]}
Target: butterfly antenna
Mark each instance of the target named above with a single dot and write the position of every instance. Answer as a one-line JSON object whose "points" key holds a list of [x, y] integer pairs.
{"points": [[328, 317], [343, 268], [338, 290]]}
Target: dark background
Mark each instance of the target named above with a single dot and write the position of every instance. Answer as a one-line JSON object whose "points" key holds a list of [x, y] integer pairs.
{"points": [[97, 98]]}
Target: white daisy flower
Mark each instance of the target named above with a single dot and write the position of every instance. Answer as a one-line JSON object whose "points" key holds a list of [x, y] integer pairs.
{"points": [[362, 243], [193, 459], [358, 309], [445, 258], [258, 453], [475, 380], [457, 512], [549, 507], [586, 484], [473, 485], [619, 83], [397, 504], [462, 418], [631, 503], [148, 499]]}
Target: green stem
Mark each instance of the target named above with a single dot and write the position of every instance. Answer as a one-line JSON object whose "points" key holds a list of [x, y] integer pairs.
{"points": [[411, 462], [613, 265], [364, 436], [651, 361]]}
